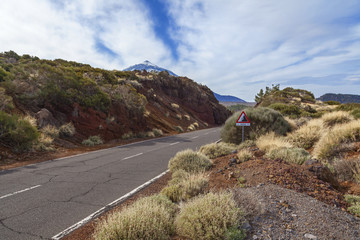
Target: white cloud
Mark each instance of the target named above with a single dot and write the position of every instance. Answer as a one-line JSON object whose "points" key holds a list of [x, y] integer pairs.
{"points": [[229, 44]]}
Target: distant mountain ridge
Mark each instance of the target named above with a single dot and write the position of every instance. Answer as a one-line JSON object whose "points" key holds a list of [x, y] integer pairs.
{"points": [[228, 98], [149, 67], [342, 98]]}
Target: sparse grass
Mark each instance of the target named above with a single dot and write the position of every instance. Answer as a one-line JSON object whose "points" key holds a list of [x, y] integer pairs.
{"points": [[208, 217], [292, 123], [244, 155], [270, 141], [30, 119], [67, 130], [291, 155], [51, 131], [354, 202], [187, 187], [148, 218], [347, 169], [92, 141], [338, 117], [214, 150], [330, 142], [189, 161], [307, 135], [179, 129], [157, 132]]}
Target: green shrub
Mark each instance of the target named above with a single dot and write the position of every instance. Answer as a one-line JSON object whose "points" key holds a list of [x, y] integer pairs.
{"points": [[148, 218], [286, 109], [92, 141], [332, 102], [189, 161], [262, 120], [235, 233], [214, 150], [17, 133], [291, 155], [354, 202], [182, 189], [208, 217], [67, 130]]}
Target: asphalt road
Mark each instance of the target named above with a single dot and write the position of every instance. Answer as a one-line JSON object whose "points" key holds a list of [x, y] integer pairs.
{"points": [[39, 201]]}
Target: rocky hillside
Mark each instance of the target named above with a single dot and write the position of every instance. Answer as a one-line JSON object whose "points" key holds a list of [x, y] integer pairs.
{"points": [[111, 104], [341, 98]]}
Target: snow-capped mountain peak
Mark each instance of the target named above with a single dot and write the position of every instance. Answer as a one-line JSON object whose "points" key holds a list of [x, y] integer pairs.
{"points": [[148, 66]]}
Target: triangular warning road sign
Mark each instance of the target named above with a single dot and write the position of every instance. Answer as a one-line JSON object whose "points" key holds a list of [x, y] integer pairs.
{"points": [[243, 120]]}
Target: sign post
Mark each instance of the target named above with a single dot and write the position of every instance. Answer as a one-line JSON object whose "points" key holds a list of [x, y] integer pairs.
{"points": [[243, 121]]}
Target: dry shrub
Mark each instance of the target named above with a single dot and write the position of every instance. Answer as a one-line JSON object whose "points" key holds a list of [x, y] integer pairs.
{"points": [[247, 144], [44, 143], [92, 141], [187, 117], [196, 124], [291, 155], [191, 127], [338, 117], [157, 132], [50, 131], [208, 217], [67, 130], [244, 155], [179, 129], [174, 105], [30, 119], [307, 135], [292, 123], [178, 116], [148, 218], [128, 135], [347, 170], [185, 187], [330, 142], [189, 161], [270, 141], [150, 134], [214, 150]]}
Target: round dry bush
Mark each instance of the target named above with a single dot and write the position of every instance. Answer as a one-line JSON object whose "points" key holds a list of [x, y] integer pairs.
{"points": [[291, 155], [189, 161], [271, 141], [244, 155], [214, 150], [148, 218], [338, 117], [208, 217], [186, 188], [307, 135], [67, 130], [263, 120]]}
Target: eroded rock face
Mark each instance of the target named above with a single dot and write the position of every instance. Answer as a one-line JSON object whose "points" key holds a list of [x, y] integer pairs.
{"points": [[44, 117]]}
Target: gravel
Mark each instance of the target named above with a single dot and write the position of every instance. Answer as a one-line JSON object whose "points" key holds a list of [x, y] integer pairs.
{"points": [[274, 212]]}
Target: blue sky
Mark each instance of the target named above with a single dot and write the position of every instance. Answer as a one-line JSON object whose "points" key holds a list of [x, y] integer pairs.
{"points": [[234, 47]]}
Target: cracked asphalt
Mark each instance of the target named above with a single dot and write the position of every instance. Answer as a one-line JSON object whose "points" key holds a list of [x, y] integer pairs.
{"points": [[40, 200]]}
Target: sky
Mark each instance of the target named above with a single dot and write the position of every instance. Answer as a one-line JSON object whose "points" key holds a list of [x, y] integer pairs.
{"points": [[235, 47]]}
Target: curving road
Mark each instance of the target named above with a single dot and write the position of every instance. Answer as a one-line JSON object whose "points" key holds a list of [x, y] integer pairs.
{"points": [[42, 200]]}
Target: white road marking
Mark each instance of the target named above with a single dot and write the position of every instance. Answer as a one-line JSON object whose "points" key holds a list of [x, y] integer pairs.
{"points": [[206, 133], [133, 156], [174, 143], [24, 190], [107, 207], [195, 137]]}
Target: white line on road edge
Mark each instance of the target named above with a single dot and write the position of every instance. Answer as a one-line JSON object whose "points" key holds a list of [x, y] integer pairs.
{"points": [[106, 208], [132, 156], [173, 143], [24, 190]]}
